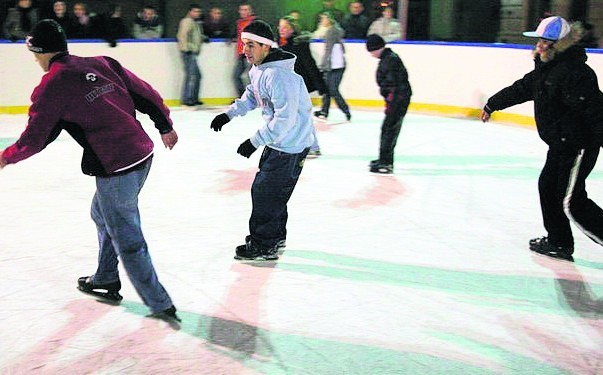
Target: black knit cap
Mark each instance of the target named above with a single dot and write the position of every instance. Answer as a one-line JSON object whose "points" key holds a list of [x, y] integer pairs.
{"points": [[46, 36], [261, 29], [374, 42]]}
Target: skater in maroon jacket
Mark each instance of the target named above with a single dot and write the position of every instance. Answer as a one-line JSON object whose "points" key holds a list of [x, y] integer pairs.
{"points": [[95, 100]]}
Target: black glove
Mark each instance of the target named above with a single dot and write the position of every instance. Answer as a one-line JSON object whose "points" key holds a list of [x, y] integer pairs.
{"points": [[219, 121], [246, 149]]}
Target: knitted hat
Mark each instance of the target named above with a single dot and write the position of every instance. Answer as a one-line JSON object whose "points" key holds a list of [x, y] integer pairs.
{"points": [[374, 42], [261, 32], [551, 28], [46, 36]]}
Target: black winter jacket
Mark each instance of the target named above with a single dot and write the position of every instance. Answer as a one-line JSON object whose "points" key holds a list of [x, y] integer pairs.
{"points": [[305, 66], [392, 77], [568, 105]]}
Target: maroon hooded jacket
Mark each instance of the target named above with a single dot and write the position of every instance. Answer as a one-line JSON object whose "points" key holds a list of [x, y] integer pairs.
{"points": [[95, 100]]}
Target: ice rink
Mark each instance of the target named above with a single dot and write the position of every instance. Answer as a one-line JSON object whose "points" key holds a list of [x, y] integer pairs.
{"points": [[424, 272]]}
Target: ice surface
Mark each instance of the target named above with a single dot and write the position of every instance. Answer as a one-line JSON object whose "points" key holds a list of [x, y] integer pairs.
{"points": [[424, 272]]}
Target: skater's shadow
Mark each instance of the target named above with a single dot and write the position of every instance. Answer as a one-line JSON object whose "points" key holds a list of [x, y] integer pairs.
{"points": [[235, 324], [572, 288]]}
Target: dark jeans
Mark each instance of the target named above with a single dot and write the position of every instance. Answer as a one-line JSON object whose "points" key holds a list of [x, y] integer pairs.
{"points": [[115, 212], [333, 80], [270, 192], [390, 129], [192, 79], [240, 66], [563, 196]]}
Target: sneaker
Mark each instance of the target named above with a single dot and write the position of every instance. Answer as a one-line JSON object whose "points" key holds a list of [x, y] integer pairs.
{"points": [[374, 163], [386, 169], [541, 245], [281, 244], [190, 107], [313, 154], [320, 115], [250, 252]]}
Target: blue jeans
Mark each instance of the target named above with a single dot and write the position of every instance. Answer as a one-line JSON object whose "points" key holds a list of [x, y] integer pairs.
{"points": [[270, 192], [115, 213], [333, 80], [192, 79]]}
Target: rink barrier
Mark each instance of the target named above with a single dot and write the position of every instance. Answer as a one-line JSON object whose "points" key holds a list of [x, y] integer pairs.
{"points": [[448, 78]]}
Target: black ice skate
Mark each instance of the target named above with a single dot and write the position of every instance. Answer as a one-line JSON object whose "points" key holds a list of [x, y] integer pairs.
{"points": [[248, 251], [384, 169], [109, 292], [542, 246], [167, 315], [320, 116]]}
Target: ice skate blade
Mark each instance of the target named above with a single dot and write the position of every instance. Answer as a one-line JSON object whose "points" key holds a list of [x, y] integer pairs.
{"points": [[554, 257], [256, 259], [383, 174], [113, 298], [173, 321]]}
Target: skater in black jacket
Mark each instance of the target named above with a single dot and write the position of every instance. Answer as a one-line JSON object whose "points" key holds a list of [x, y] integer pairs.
{"points": [[392, 79], [568, 109]]}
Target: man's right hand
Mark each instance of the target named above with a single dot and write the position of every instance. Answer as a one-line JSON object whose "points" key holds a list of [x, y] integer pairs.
{"points": [[219, 121]]}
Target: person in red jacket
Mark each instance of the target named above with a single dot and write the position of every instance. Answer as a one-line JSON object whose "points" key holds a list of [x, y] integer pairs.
{"points": [[245, 17], [95, 100]]}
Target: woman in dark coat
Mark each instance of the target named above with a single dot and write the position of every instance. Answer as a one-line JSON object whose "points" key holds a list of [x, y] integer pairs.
{"points": [[291, 39]]}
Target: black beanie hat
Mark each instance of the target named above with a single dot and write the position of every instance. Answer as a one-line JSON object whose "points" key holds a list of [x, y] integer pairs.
{"points": [[374, 42], [47, 36], [260, 31]]}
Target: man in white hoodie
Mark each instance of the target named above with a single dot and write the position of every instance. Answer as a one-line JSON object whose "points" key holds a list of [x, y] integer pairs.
{"points": [[287, 134]]}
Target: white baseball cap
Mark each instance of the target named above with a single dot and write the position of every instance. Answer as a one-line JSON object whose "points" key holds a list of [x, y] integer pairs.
{"points": [[551, 28]]}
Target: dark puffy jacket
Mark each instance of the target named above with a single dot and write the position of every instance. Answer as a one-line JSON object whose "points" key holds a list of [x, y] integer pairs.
{"points": [[568, 105], [392, 76], [305, 66]]}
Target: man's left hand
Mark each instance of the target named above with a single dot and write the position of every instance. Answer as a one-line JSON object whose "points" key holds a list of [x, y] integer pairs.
{"points": [[169, 139], [246, 149]]}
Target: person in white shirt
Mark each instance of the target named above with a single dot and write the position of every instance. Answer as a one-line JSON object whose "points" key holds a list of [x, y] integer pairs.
{"points": [[386, 26]]}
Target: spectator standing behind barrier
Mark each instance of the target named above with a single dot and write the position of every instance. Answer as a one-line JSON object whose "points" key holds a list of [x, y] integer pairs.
{"points": [[568, 109], [113, 25], [332, 66], [386, 26], [190, 39], [59, 9], [328, 6], [148, 25], [392, 79], [20, 20], [292, 39], [81, 25], [355, 23], [216, 26], [287, 135], [95, 100], [245, 17]]}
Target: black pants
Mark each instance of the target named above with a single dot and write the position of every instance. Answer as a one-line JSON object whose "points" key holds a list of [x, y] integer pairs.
{"points": [[563, 196], [270, 192], [333, 80], [390, 129]]}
